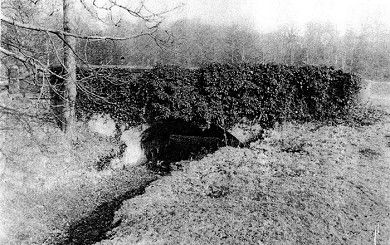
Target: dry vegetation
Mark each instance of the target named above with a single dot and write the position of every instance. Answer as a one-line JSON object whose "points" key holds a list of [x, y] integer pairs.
{"points": [[304, 184], [48, 184]]}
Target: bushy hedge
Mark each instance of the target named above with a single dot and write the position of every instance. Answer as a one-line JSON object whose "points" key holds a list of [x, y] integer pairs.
{"points": [[273, 93], [218, 93]]}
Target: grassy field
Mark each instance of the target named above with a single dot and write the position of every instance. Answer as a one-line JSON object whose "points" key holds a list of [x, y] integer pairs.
{"points": [[304, 184]]}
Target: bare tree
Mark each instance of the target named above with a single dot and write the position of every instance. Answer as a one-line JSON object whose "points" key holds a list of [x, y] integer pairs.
{"points": [[70, 66], [68, 37]]}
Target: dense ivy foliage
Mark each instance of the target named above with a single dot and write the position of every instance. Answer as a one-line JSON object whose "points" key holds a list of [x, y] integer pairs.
{"points": [[218, 93]]}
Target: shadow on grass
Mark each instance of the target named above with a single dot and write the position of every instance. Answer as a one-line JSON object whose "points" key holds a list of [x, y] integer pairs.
{"points": [[93, 228]]}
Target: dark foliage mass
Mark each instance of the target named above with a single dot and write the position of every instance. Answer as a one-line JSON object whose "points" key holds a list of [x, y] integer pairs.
{"points": [[113, 91], [217, 93], [172, 140]]}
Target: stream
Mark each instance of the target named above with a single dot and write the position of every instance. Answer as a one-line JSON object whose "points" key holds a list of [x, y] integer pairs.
{"points": [[94, 227]]}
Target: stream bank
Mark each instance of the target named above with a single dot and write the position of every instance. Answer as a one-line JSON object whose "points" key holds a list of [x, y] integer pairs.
{"points": [[94, 227]]}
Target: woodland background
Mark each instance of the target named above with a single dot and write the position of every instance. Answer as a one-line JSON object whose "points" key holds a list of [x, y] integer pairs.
{"points": [[191, 42]]}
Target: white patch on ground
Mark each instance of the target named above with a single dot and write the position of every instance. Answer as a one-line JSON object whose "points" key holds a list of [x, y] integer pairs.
{"points": [[244, 132], [102, 124], [133, 154], [117, 163]]}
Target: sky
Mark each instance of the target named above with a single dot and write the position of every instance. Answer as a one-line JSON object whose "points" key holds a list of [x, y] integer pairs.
{"points": [[268, 15]]}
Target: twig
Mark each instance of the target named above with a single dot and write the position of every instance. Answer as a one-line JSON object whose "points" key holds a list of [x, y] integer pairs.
{"points": [[11, 111], [62, 33]]}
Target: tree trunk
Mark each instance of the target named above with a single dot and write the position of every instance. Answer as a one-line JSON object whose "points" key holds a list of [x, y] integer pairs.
{"points": [[70, 67], [1, 15]]}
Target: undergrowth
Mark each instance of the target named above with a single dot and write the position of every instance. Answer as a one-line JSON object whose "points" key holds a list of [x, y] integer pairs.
{"points": [[365, 115], [303, 184], [50, 180]]}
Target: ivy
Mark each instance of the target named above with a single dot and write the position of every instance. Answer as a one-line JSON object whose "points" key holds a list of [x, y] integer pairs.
{"points": [[218, 93]]}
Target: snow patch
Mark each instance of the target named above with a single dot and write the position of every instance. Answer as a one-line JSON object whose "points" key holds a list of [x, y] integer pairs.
{"points": [[245, 132], [133, 155], [102, 124]]}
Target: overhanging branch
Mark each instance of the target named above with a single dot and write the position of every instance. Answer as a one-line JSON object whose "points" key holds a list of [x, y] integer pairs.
{"points": [[14, 55], [58, 32]]}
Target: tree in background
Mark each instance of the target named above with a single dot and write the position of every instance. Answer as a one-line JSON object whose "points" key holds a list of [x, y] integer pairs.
{"points": [[239, 45], [365, 52], [283, 46], [320, 42], [17, 44], [34, 37], [375, 46]]}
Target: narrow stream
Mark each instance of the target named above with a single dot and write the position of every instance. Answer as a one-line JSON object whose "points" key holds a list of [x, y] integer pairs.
{"points": [[94, 227]]}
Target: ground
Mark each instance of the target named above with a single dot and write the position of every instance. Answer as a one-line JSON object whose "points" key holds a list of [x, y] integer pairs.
{"points": [[378, 93], [303, 185]]}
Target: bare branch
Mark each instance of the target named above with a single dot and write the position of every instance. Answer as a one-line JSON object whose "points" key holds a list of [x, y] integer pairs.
{"points": [[14, 55], [138, 12], [91, 12], [28, 60], [11, 111], [62, 33], [70, 47], [55, 49]]}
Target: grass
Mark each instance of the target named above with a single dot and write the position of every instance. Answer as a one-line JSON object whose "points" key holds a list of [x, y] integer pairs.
{"points": [[331, 189], [56, 187], [303, 184], [48, 184], [381, 88]]}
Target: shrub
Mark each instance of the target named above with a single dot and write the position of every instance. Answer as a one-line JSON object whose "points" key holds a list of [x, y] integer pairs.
{"points": [[218, 93], [49, 180]]}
